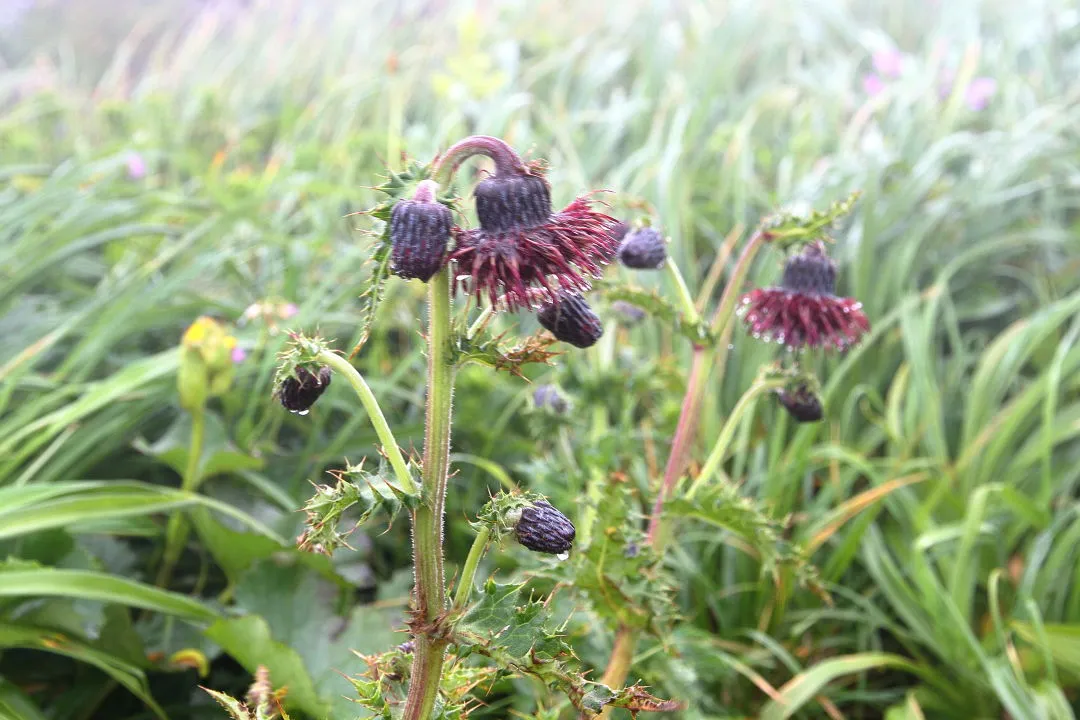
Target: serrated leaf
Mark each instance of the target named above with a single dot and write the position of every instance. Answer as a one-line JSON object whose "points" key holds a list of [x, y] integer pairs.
{"points": [[654, 304], [721, 505], [356, 488], [515, 632], [787, 229], [486, 349]]}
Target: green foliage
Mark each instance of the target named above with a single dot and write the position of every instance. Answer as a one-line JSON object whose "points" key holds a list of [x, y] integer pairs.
{"points": [[938, 497]]}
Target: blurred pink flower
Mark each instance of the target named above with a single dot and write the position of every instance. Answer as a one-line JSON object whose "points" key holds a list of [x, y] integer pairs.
{"points": [[238, 354], [978, 93], [288, 310], [136, 166], [872, 84], [888, 63]]}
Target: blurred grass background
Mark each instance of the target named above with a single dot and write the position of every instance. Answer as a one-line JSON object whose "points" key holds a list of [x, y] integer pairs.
{"points": [[160, 161]]}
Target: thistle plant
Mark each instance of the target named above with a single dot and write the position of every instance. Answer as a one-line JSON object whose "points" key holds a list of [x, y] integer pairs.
{"points": [[523, 256]]}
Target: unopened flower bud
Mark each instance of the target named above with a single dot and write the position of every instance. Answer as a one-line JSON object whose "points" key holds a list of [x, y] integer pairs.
{"points": [[299, 392], [571, 320], [643, 249], [419, 234], [542, 528], [802, 403], [549, 397], [513, 201], [206, 362]]}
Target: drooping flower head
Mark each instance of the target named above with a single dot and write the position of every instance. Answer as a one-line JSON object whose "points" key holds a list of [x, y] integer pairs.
{"points": [[522, 249], [548, 397], [298, 392], [805, 311], [570, 319], [802, 403]]}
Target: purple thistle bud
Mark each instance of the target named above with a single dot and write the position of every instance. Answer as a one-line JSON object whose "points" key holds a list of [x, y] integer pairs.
{"points": [[628, 313], [512, 203], [643, 249], [549, 397], [802, 404], [419, 234], [571, 320], [299, 392], [542, 528]]}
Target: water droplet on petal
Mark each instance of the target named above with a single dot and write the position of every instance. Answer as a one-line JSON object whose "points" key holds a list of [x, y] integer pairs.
{"points": [[563, 556]]}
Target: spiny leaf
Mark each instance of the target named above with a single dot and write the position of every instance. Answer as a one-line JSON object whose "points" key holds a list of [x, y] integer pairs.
{"points": [[653, 303], [618, 570], [514, 632], [355, 487], [720, 504], [787, 229], [485, 349]]}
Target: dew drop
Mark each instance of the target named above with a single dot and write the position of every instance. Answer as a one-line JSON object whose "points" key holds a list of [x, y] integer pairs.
{"points": [[563, 556], [301, 412], [730, 346], [766, 338], [847, 310]]}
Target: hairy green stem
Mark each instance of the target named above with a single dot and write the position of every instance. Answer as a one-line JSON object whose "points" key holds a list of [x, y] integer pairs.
{"points": [[177, 530], [427, 520], [507, 162], [468, 573], [382, 428], [622, 657], [481, 321], [725, 310]]}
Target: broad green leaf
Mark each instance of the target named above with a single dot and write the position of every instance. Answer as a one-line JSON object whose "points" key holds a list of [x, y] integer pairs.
{"points": [[249, 640], [18, 581], [126, 674]]}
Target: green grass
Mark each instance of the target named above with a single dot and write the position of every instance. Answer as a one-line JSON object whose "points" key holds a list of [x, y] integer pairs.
{"points": [[939, 497]]}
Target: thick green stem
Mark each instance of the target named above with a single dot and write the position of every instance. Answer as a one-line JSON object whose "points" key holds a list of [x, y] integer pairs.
{"points": [[507, 162], [177, 530], [723, 441], [468, 573], [430, 591], [382, 428]]}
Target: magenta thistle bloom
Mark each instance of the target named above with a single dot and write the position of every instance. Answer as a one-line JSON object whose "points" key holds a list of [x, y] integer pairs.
{"points": [[888, 63], [978, 93], [238, 355], [136, 166], [873, 85], [522, 249], [804, 311]]}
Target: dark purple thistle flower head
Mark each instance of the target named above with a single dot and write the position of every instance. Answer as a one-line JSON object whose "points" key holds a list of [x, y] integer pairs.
{"points": [[802, 403], [523, 249], [300, 391], [542, 528], [643, 249], [804, 311], [571, 320], [419, 234]]}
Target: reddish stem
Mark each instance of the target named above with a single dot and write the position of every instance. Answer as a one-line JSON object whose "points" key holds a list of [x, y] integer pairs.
{"points": [[684, 435], [507, 162]]}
